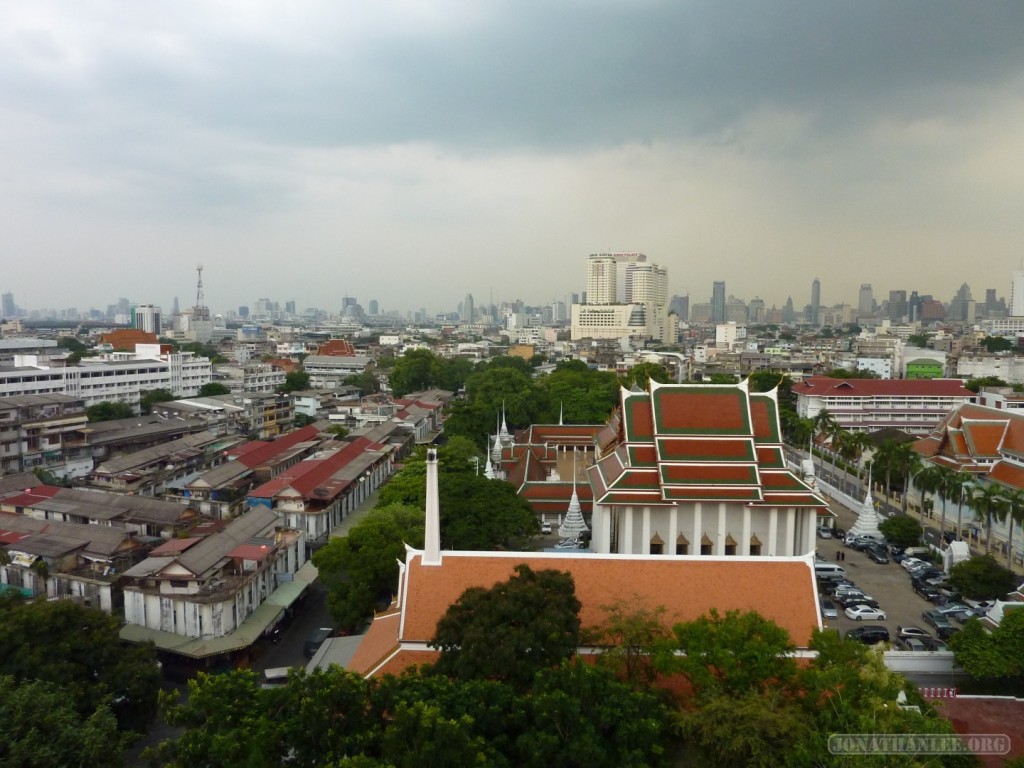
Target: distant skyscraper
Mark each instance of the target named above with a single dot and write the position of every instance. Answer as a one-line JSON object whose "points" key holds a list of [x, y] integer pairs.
{"points": [[468, 310], [681, 306], [718, 302], [289, 307], [601, 279], [7, 306], [897, 306], [175, 310], [815, 317], [146, 317], [243, 311], [756, 310], [1017, 294], [866, 301], [374, 307]]}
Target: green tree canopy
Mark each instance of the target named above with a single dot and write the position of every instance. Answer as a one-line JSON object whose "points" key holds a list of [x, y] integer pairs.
{"points": [[151, 397], [212, 389], [79, 650], [982, 578], [366, 382], [43, 729], [995, 654], [902, 531], [360, 570], [994, 344], [109, 411], [642, 373], [975, 385], [294, 381], [512, 630]]}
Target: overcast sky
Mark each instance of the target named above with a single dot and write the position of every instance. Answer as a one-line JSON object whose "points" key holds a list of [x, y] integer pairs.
{"points": [[412, 152]]}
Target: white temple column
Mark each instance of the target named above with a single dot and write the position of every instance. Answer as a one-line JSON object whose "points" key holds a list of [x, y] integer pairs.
{"points": [[790, 534], [600, 524], [773, 532], [645, 528], [811, 519], [720, 538], [673, 529], [745, 543], [698, 534], [626, 546]]}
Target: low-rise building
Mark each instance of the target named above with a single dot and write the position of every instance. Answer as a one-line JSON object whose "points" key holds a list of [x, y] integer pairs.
{"points": [[213, 597], [44, 432]]}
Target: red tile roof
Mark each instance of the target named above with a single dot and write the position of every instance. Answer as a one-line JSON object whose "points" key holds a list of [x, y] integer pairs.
{"points": [[268, 451], [780, 589], [823, 385]]}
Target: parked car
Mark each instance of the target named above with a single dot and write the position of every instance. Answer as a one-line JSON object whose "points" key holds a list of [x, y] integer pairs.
{"points": [[824, 532], [861, 612], [878, 555], [928, 593], [545, 528], [913, 562], [953, 607], [936, 619], [828, 609], [934, 644], [855, 601], [869, 635], [902, 631], [909, 644], [315, 640]]}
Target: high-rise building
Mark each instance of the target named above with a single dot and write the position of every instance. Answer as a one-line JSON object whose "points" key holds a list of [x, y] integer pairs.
{"points": [[897, 306], [718, 301], [7, 306], [756, 310], [865, 301], [602, 280], [681, 306], [815, 318], [374, 306], [468, 314], [146, 317], [1017, 294]]}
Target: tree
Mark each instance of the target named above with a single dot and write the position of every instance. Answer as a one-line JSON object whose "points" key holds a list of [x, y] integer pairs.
{"points": [[1012, 515], [919, 340], [44, 729], [995, 654], [213, 388], [366, 382], [360, 570], [633, 638], [580, 715], [988, 502], [109, 411], [933, 479], [902, 531], [975, 385], [643, 373], [150, 397], [412, 372], [982, 578], [294, 381], [512, 630], [734, 653], [995, 344], [957, 486], [79, 650], [476, 513]]}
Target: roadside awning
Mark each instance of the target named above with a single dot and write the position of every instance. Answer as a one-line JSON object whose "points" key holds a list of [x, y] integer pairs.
{"points": [[258, 622]]}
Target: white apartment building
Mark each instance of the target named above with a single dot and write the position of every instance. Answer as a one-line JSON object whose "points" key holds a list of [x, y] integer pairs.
{"points": [[116, 377], [252, 377], [624, 293], [1009, 368]]}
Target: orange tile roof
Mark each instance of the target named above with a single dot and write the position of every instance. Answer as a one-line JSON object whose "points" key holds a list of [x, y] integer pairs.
{"points": [[780, 589]]}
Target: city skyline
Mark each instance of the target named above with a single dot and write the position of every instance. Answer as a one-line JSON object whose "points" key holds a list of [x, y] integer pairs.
{"points": [[413, 153]]}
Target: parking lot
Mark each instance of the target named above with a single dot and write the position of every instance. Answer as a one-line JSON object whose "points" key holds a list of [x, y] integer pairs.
{"points": [[888, 583]]}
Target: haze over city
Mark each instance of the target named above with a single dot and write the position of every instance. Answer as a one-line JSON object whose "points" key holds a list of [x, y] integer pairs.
{"points": [[413, 152]]}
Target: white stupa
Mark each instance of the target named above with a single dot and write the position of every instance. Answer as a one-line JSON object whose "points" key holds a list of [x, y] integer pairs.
{"points": [[867, 515], [573, 523]]}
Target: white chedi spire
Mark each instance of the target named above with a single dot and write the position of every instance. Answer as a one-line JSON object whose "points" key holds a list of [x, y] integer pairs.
{"points": [[573, 524], [867, 515], [808, 466], [488, 467], [432, 528], [504, 436]]}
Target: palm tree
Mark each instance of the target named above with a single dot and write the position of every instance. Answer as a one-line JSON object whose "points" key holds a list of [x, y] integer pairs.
{"points": [[858, 442], [931, 480], [957, 485], [988, 502], [882, 462], [1014, 510]]}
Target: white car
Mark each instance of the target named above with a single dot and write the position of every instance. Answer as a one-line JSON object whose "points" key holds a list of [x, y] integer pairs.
{"points": [[860, 612], [545, 527], [913, 562]]}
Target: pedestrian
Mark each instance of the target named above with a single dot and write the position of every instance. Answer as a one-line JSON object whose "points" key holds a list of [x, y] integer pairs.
{"points": [[842, 556], [839, 555]]}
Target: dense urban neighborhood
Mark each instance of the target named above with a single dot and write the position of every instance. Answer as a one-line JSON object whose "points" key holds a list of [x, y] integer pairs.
{"points": [[421, 526]]}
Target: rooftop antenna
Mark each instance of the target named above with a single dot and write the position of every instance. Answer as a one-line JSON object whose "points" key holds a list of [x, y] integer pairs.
{"points": [[199, 285]]}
